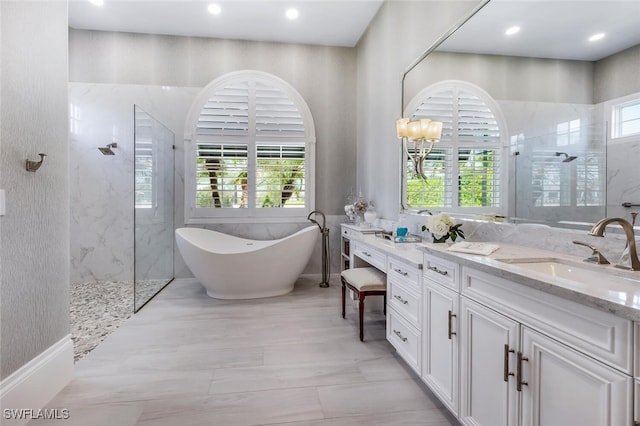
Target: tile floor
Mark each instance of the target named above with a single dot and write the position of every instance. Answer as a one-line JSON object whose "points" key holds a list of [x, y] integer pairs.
{"points": [[187, 359]]}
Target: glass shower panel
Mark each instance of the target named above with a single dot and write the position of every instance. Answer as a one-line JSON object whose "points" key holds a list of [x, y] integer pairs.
{"points": [[561, 176], [154, 204]]}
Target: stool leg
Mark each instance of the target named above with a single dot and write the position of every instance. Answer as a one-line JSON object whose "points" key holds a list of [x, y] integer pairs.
{"points": [[343, 291], [361, 314]]}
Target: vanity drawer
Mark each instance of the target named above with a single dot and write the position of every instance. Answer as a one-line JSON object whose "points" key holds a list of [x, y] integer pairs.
{"points": [[409, 275], [348, 233], [403, 300], [441, 271], [405, 338], [599, 334], [370, 255]]}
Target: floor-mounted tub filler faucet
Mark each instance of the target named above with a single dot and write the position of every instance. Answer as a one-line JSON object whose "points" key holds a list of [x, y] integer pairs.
{"points": [[598, 231], [326, 262]]}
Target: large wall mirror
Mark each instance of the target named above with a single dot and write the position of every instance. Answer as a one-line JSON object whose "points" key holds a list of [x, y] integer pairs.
{"points": [[570, 106]]}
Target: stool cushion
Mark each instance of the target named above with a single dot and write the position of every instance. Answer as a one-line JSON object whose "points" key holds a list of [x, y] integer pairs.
{"points": [[365, 279]]}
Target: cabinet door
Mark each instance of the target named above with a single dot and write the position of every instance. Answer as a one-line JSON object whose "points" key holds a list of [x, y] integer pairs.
{"points": [[440, 343], [564, 387], [488, 345]]}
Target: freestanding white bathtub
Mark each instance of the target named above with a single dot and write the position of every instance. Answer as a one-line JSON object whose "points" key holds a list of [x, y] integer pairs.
{"points": [[236, 268]]}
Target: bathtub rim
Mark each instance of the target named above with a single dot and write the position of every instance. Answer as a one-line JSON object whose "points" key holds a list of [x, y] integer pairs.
{"points": [[255, 245]]}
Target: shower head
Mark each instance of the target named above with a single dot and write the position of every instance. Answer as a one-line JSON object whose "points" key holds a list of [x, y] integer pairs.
{"points": [[106, 150], [567, 158]]}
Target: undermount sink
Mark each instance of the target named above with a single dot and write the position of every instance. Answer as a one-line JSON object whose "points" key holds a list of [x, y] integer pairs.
{"points": [[573, 271]]}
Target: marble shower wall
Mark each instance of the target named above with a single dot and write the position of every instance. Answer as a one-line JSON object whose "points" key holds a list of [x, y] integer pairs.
{"points": [[101, 186]]}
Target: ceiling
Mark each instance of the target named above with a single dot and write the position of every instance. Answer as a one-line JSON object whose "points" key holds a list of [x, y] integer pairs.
{"points": [[550, 29], [321, 22]]}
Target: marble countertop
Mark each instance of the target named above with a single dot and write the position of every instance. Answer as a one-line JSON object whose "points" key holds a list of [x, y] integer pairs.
{"points": [[618, 294]]}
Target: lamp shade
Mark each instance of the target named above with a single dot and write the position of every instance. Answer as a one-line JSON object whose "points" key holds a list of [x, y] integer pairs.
{"points": [[402, 129], [434, 131], [415, 130], [424, 127]]}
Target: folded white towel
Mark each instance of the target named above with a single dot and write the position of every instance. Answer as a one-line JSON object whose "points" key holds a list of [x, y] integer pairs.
{"points": [[484, 249]]}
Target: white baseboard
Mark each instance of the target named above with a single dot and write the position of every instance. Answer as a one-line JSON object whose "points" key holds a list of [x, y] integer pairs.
{"points": [[34, 384]]}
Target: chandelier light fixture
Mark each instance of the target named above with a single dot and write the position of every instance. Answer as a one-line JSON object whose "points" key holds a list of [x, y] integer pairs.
{"points": [[418, 131]]}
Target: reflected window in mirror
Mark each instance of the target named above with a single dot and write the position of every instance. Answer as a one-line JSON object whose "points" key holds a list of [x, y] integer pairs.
{"points": [[465, 171]]}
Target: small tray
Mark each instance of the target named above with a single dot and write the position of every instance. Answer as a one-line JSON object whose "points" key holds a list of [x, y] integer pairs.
{"points": [[389, 237]]}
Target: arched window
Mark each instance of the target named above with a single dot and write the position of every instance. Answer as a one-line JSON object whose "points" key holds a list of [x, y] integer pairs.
{"points": [[465, 170], [250, 153]]}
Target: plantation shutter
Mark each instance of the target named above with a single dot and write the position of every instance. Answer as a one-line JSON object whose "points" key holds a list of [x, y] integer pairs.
{"points": [[144, 173], [277, 117], [144, 161], [251, 144], [226, 113], [464, 167], [222, 175]]}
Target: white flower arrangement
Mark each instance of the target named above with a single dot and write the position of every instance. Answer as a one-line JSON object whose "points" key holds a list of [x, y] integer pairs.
{"points": [[443, 227], [350, 211], [356, 209]]}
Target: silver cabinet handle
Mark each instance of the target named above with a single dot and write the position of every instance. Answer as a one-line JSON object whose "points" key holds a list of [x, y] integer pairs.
{"points": [[366, 254], [450, 331], [401, 272], [397, 333], [404, 302], [506, 372], [434, 269], [519, 381]]}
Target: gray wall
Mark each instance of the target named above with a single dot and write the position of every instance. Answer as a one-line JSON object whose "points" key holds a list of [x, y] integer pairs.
{"points": [[617, 75], [324, 76], [399, 33], [34, 243], [508, 77], [135, 67]]}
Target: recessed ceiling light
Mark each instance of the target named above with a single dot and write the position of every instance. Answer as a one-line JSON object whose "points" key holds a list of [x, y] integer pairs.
{"points": [[214, 9], [292, 13], [512, 30], [97, 2], [596, 37]]}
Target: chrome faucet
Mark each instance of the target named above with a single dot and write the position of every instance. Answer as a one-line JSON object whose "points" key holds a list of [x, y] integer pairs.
{"points": [[598, 231]]}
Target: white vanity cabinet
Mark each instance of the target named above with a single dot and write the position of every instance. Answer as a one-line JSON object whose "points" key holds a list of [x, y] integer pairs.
{"points": [[488, 344], [347, 233], [514, 375], [440, 331], [404, 311], [561, 386], [529, 358]]}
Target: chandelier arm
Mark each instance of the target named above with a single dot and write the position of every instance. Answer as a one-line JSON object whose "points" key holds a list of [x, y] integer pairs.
{"points": [[420, 168]]}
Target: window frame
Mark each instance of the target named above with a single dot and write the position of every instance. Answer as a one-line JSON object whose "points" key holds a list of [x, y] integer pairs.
{"points": [[251, 214], [502, 148], [613, 113]]}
